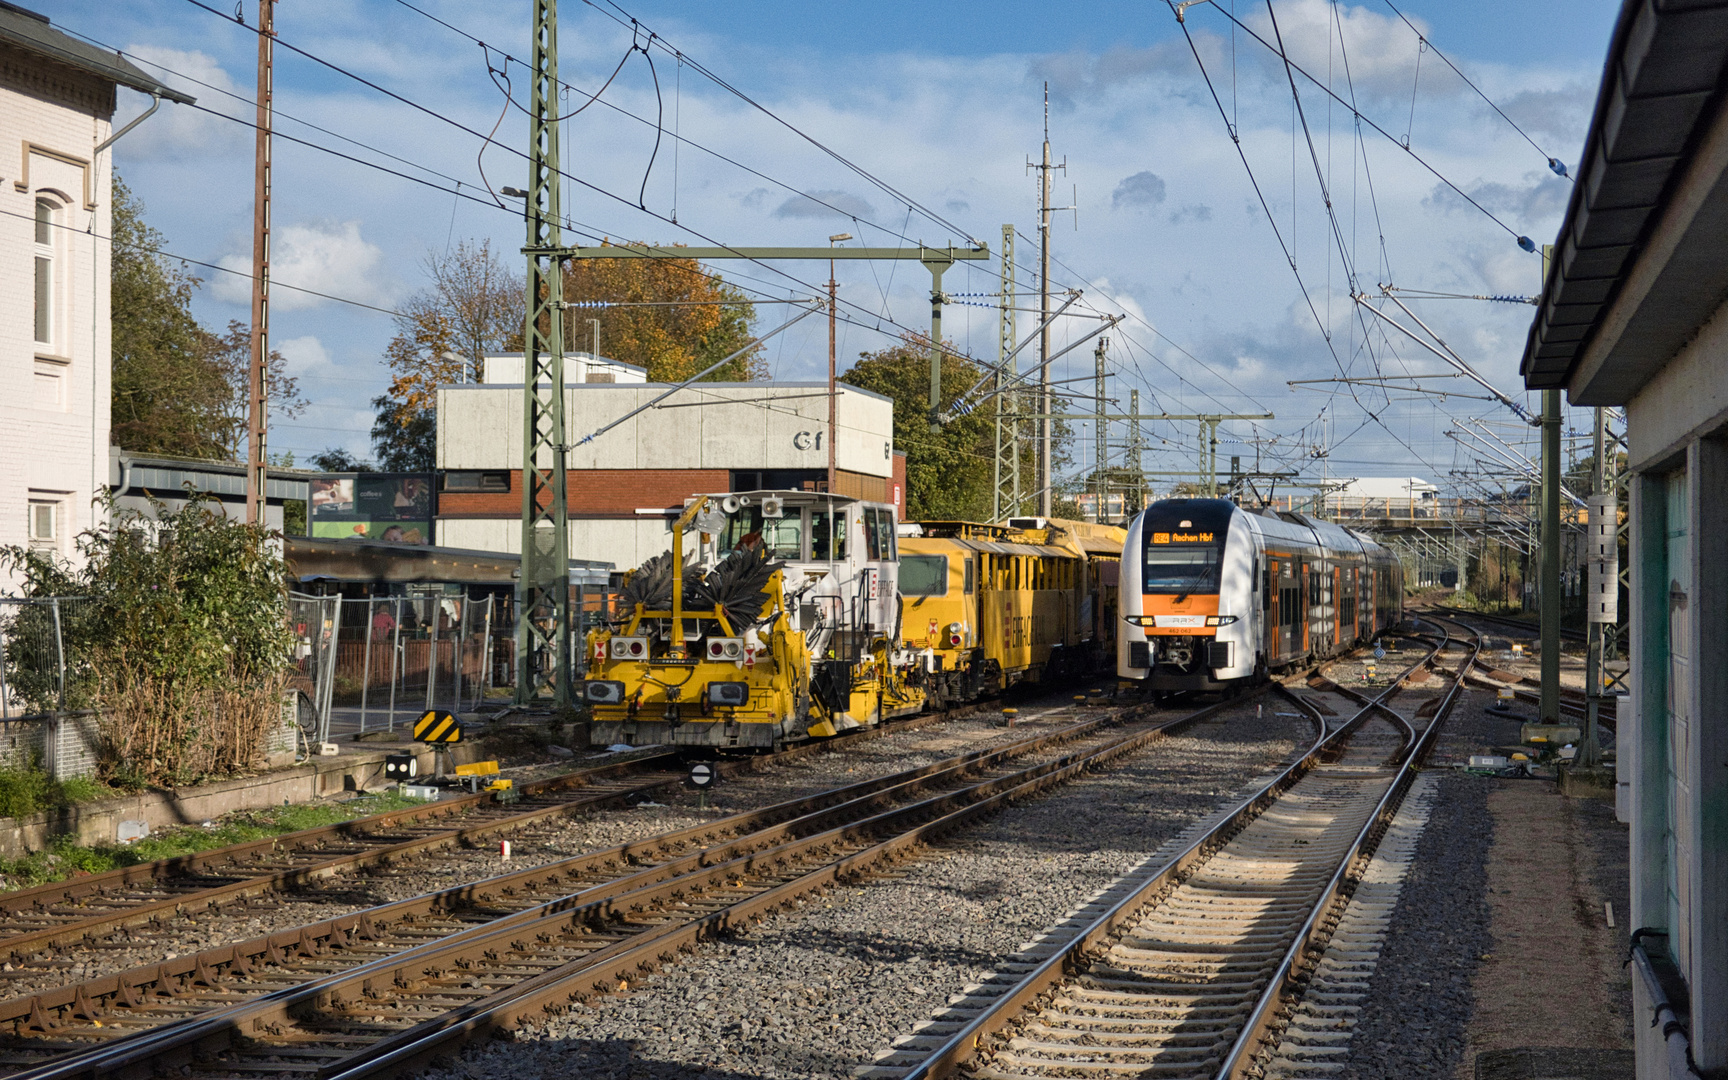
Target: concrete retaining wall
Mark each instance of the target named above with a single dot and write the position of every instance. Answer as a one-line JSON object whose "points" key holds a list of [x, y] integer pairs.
{"points": [[99, 822]]}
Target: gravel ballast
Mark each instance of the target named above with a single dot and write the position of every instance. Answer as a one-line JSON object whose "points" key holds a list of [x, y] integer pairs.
{"points": [[818, 991], [545, 842]]}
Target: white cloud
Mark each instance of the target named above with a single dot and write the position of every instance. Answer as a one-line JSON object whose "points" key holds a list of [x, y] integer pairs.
{"points": [[182, 129], [811, 205], [1141, 191], [326, 256], [306, 357]]}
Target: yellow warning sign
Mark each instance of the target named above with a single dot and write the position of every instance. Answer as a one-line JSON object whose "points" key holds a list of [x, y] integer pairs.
{"points": [[438, 727]]}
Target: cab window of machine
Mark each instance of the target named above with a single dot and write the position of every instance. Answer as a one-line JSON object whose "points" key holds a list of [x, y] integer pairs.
{"points": [[1181, 568], [783, 537], [971, 578], [825, 546], [924, 575]]}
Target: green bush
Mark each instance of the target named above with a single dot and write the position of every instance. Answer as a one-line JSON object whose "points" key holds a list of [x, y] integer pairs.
{"points": [[181, 641]]}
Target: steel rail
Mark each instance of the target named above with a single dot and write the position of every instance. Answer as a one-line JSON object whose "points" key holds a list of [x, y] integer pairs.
{"points": [[53, 1011], [110, 889], [1314, 931], [959, 1048], [552, 991]]}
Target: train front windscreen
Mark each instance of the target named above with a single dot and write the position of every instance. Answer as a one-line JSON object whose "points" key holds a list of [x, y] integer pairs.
{"points": [[1183, 549]]}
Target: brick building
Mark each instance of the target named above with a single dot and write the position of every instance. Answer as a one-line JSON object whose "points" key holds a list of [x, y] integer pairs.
{"points": [[626, 485], [57, 97]]}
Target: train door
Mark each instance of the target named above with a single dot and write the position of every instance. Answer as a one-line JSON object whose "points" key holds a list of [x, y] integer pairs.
{"points": [[1305, 583], [1268, 629]]}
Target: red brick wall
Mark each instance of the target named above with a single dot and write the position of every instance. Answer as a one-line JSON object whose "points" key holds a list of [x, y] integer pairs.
{"points": [[593, 492], [897, 486]]}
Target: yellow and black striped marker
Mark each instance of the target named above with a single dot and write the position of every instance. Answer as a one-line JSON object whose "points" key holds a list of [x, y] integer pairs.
{"points": [[438, 727]]}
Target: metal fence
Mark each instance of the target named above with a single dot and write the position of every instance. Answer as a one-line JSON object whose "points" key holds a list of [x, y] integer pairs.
{"points": [[370, 664], [45, 689]]}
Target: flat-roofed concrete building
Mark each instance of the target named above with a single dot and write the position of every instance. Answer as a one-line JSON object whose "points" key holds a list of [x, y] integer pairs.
{"points": [[1633, 314], [626, 485]]}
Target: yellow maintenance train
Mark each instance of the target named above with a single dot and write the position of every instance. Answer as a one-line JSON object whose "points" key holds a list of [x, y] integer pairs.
{"points": [[989, 606], [803, 615]]}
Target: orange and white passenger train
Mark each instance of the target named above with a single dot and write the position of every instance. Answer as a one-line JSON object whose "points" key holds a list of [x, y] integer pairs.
{"points": [[1215, 596]]}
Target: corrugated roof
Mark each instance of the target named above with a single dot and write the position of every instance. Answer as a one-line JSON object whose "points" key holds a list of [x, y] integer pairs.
{"points": [[27, 30], [1659, 94]]}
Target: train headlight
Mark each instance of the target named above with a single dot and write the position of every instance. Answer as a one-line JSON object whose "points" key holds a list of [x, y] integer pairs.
{"points": [[602, 692], [629, 648], [1220, 620], [1141, 620], [726, 648], [730, 695]]}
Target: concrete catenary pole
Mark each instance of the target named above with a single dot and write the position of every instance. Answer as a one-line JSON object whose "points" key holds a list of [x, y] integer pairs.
{"points": [[1044, 440], [258, 374], [1548, 586]]}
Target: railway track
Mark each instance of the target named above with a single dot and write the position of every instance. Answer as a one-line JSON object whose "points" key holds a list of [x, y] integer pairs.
{"points": [[1528, 690], [1187, 971], [377, 991], [107, 910]]}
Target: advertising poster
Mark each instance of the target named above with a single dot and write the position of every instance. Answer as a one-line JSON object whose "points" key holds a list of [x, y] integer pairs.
{"points": [[392, 507]]}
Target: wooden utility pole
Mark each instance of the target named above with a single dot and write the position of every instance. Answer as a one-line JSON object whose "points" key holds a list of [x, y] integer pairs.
{"points": [[257, 381]]}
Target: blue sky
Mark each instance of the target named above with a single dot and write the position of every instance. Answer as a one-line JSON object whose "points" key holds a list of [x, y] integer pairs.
{"points": [[938, 104]]}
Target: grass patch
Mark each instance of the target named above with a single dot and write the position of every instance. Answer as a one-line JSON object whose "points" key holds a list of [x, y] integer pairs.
{"points": [[27, 791], [66, 859]]}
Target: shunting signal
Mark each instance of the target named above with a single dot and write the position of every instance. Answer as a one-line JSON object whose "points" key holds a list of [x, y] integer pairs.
{"points": [[438, 727]]}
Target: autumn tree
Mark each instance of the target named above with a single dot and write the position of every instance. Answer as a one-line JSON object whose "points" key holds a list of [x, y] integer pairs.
{"points": [[472, 307], [673, 317], [405, 440], [177, 388], [231, 356]]}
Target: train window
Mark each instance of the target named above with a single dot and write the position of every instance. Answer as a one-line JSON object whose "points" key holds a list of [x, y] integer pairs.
{"points": [[1181, 569], [971, 577], [783, 537], [927, 575], [823, 546]]}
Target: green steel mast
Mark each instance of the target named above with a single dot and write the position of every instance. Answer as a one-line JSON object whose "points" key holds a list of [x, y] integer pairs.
{"points": [[543, 591]]}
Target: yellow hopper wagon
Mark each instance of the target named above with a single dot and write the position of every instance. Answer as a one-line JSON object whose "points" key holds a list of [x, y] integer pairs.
{"points": [[783, 628]]}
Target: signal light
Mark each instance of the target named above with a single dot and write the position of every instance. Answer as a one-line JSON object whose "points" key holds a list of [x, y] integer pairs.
{"points": [[953, 641], [629, 648], [726, 648]]}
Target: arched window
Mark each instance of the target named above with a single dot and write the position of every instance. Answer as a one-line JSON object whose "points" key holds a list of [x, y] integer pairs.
{"points": [[46, 212]]}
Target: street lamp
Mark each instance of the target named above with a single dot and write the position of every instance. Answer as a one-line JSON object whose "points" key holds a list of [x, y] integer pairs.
{"points": [[832, 285]]}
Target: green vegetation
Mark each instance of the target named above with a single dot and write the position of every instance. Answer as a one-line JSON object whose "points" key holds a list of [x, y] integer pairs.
{"points": [[27, 790], [177, 638], [67, 859], [178, 388]]}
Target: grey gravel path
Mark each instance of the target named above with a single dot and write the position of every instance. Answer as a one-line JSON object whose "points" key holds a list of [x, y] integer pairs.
{"points": [[817, 991], [1419, 1002]]}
